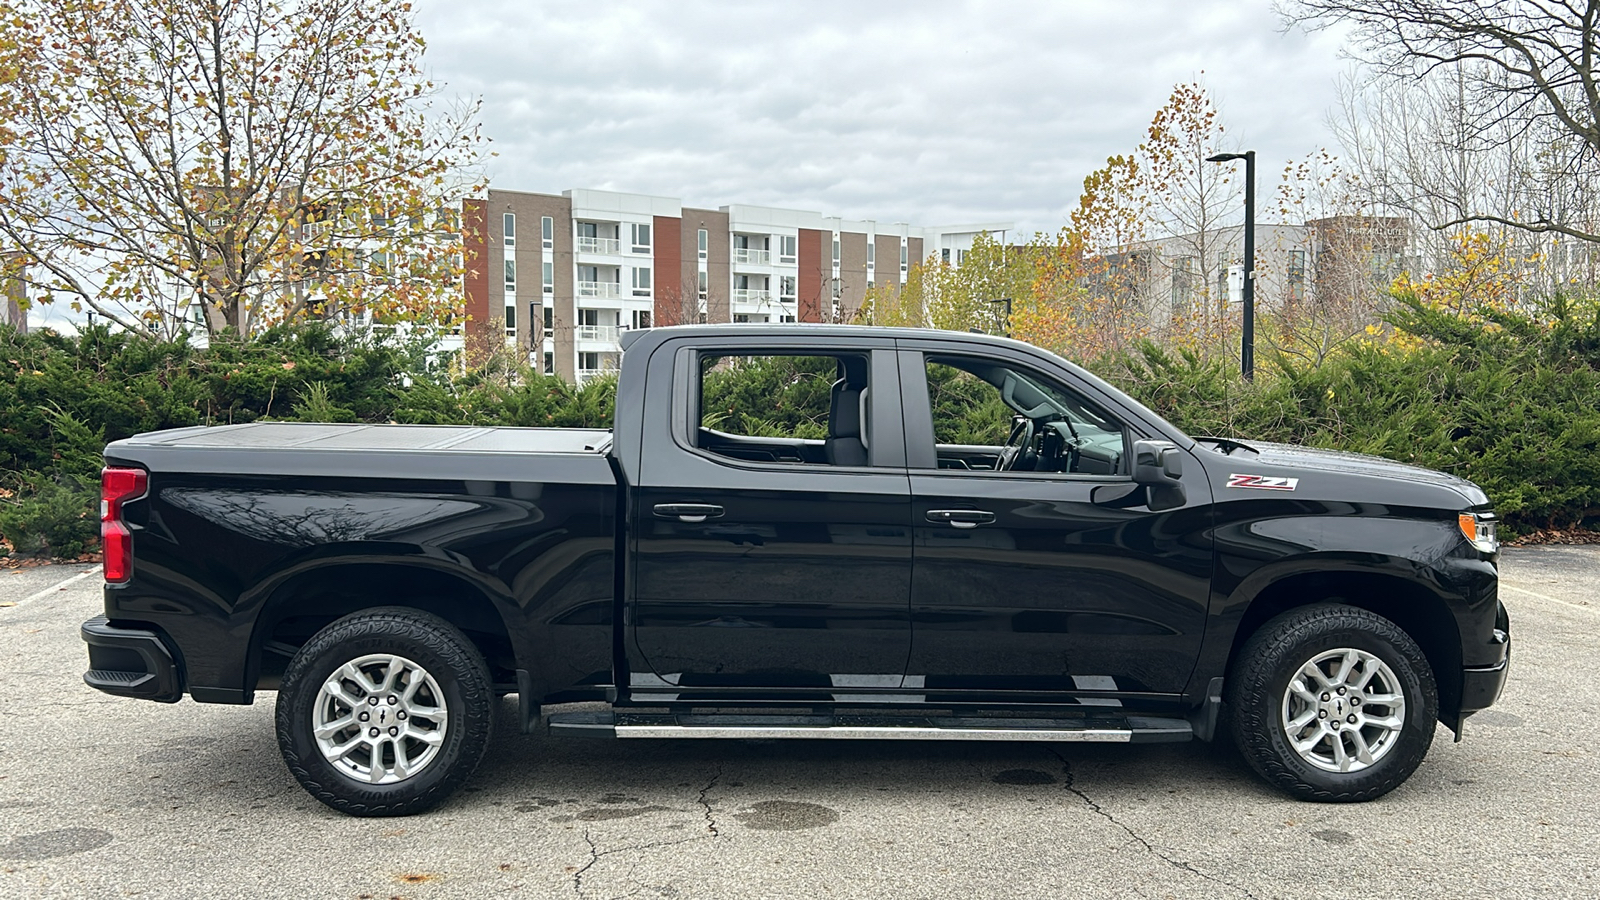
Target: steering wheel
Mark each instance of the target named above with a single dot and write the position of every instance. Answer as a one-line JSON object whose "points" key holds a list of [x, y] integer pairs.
{"points": [[1017, 443]]}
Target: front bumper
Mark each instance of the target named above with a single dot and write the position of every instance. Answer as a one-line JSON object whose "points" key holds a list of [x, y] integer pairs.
{"points": [[1481, 687], [130, 662]]}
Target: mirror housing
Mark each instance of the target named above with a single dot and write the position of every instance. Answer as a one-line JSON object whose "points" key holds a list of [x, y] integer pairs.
{"points": [[1158, 465]]}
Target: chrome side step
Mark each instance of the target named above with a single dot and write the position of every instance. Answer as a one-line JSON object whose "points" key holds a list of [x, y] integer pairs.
{"points": [[1084, 729]]}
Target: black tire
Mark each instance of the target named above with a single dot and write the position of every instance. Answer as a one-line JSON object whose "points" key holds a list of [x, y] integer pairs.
{"points": [[444, 654], [1260, 679]]}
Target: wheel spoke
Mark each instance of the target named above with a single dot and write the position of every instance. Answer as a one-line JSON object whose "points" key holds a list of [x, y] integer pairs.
{"points": [[1298, 687], [375, 772], [334, 687], [1390, 723], [390, 673], [1315, 671], [1363, 752], [1367, 671], [1305, 746], [1382, 699], [1303, 719], [330, 729], [1351, 657], [402, 765], [1341, 757], [431, 738]]}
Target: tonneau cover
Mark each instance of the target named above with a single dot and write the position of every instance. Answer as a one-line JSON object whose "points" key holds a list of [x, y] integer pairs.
{"points": [[403, 451]]}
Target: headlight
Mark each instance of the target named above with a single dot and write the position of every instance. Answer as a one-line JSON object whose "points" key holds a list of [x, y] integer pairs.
{"points": [[1480, 531]]}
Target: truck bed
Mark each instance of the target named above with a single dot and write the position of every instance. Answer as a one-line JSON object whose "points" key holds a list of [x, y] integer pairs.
{"points": [[406, 451]]}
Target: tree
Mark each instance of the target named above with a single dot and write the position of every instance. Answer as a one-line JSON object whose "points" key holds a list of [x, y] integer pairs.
{"points": [[260, 160], [1510, 126]]}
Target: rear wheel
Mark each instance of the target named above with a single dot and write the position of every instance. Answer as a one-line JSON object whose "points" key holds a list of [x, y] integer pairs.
{"points": [[1333, 703], [385, 712]]}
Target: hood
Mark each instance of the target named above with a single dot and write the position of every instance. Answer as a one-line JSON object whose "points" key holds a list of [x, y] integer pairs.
{"points": [[1339, 462]]}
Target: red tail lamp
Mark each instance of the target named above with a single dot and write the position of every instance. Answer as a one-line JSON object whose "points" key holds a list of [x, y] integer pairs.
{"points": [[117, 486]]}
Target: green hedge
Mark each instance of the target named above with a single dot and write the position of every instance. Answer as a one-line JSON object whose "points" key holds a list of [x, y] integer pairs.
{"points": [[1514, 406]]}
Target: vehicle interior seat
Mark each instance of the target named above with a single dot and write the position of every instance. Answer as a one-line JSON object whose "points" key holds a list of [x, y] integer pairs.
{"points": [[846, 443]]}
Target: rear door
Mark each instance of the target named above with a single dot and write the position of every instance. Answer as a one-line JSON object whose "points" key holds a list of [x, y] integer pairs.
{"points": [[1054, 577], [771, 543]]}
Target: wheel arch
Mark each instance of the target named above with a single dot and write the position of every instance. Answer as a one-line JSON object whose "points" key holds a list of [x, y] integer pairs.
{"points": [[1412, 605], [300, 603]]}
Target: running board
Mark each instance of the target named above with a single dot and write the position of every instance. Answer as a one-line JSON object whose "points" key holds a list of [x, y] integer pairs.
{"points": [[1088, 729]]}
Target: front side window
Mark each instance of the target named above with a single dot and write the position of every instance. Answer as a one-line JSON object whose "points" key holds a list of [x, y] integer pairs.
{"points": [[804, 410], [997, 417]]}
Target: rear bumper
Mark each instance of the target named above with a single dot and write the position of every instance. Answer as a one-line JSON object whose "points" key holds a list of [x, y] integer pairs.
{"points": [[130, 662]]}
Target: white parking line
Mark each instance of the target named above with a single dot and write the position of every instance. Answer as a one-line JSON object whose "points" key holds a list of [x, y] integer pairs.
{"points": [[59, 586], [1547, 597]]}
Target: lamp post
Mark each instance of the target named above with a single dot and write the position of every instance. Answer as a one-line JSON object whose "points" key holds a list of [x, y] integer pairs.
{"points": [[1006, 323], [1247, 349]]}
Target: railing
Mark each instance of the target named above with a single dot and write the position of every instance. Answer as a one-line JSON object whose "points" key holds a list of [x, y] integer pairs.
{"points": [[754, 257], [751, 295], [601, 289], [608, 246], [587, 374], [596, 333]]}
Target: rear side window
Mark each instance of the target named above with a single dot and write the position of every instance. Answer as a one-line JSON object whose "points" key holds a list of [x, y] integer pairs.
{"points": [[804, 410]]}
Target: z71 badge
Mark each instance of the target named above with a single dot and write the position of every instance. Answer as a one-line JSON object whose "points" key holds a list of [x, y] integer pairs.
{"points": [[1264, 482]]}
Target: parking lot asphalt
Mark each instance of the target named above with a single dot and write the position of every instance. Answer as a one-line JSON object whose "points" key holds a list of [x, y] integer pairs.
{"points": [[103, 797]]}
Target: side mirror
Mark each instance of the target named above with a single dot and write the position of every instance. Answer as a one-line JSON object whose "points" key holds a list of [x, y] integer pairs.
{"points": [[1158, 465]]}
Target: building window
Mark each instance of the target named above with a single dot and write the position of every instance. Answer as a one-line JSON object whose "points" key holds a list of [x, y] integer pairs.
{"points": [[1297, 274], [589, 362], [905, 255], [511, 319], [786, 318], [549, 363], [961, 257], [786, 285], [944, 255], [1182, 280], [641, 318], [787, 248], [511, 276], [641, 282], [705, 283], [836, 251], [703, 242], [508, 229], [549, 320], [548, 276], [872, 251], [741, 318], [547, 233], [641, 237]]}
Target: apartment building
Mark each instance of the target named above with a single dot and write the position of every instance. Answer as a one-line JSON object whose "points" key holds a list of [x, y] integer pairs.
{"points": [[560, 276]]}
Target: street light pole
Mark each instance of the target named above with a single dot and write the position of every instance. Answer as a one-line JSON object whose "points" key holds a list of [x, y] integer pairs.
{"points": [[1247, 349]]}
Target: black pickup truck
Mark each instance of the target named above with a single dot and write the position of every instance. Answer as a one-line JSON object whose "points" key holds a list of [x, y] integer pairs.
{"points": [[1070, 568]]}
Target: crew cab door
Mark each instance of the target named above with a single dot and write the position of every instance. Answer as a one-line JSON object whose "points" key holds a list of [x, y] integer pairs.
{"points": [[1054, 578], [771, 541]]}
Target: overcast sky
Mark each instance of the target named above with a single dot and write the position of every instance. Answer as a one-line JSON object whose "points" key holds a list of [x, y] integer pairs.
{"points": [[929, 113]]}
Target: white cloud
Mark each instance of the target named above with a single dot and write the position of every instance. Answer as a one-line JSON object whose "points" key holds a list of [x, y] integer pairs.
{"points": [[928, 113]]}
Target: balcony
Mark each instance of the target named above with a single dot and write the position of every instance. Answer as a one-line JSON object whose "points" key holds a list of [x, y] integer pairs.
{"points": [[590, 374], [600, 290], [607, 246], [606, 333], [752, 256], [751, 295]]}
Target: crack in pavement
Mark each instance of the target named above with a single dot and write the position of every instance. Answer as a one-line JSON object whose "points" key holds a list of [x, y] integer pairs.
{"points": [[596, 854], [1071, 779]]}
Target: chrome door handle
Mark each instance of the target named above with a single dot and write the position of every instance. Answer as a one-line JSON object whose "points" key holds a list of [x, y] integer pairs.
{"points": [[693, 513], [961, 518]]}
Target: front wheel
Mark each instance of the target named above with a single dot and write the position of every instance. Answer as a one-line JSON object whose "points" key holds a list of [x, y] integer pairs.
{"points": [[1333, 703], [385, 712]]}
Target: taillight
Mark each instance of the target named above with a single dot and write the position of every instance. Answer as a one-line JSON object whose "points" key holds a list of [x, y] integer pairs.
{"points": [[118, 486]]}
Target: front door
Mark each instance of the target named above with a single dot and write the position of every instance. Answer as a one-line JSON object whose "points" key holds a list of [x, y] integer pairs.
{"points": [[1039, 571], [771, 539]]}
